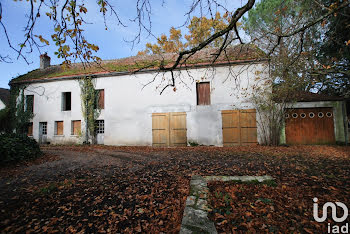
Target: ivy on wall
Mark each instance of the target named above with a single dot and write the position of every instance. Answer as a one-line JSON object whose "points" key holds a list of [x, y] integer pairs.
{"points": [[90, 109], [16, 116]]}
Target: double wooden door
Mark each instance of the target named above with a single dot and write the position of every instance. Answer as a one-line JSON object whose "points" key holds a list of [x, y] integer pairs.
{"points": [[169, 129], [239, 127]]}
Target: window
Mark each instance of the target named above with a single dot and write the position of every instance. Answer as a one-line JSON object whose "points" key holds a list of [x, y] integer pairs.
{"points": [[66, 101], [100, 126], [100, 101], [203, 93], [29, 103], [43, 126], [58, 127], [30, 129], [76, 127]]}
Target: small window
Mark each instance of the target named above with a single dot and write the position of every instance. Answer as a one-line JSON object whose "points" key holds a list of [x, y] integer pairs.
{"points": [[311, 115], [203, 93], [329, 114], [320, 115], [303, 115], [76, 127], [29, 103], [295, 115], [100, 126], [66, 101], [58, 127], [30, 129], [43, 129], [100, 100]]}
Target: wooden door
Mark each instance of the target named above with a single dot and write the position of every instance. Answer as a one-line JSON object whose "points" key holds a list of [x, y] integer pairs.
{"points": [[230, 127], [248, 127], [310, 126], [239, 127], [160, 129], [169, 129], [178, 130]]}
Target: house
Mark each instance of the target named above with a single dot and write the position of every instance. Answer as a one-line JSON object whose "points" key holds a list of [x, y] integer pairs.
{"points": [[211, 103], [4, 98]]}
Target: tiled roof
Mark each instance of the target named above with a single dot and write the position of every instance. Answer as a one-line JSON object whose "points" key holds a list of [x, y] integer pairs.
{"points": [[238, 53], [311, 97], [303, 96]]}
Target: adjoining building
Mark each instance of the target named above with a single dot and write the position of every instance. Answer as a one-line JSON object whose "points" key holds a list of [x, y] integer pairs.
{"points": [[4, 98]]}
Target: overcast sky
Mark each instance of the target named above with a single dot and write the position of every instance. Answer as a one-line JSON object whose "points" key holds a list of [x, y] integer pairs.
{"points": [[112, 43]]}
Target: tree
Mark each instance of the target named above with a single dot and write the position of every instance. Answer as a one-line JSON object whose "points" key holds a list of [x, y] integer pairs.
{"points": [[317, 56], [68, 18], [334, 52], [200, 29], [292, 57]]}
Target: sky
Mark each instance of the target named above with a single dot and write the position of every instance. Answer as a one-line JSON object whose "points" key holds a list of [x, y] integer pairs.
{"points": [[113, 43]]}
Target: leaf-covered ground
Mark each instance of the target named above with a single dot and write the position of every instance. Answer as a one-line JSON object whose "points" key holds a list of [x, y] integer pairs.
{"points": [[257, 208], [143, 189]]}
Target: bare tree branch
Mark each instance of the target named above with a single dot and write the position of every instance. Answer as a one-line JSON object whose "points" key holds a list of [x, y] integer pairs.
{"points": [[234, 19]]}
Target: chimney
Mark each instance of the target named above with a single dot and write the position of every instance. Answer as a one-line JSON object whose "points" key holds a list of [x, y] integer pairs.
{"points": [[44, 61]]}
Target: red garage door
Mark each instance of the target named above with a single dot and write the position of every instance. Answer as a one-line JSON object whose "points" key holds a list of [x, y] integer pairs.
{"points": [[310, 126]]}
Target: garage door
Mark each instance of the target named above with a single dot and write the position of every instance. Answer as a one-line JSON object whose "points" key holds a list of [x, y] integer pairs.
{"points": [[239, 127], [169, 129], [310, 126]]}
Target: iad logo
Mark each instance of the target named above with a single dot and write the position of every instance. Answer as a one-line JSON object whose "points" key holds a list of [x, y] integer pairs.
{"points": [[335, 228]]}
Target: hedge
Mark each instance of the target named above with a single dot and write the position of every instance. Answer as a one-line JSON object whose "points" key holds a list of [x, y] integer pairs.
{"points": [[15, 147]]}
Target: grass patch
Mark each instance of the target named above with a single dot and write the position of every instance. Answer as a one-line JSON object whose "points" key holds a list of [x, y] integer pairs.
{"points": [[52, 187], [48, 189], [270, 183]]}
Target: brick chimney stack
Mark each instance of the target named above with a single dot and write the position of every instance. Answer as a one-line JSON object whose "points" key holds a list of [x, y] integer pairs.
{"points": [[44, 61]]}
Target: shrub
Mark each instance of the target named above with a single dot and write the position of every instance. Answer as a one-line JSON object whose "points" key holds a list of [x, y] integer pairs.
{"points": [[15, 147], [193, 143]]}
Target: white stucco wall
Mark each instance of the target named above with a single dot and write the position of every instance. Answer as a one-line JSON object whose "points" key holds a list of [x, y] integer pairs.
{"points": [[2, 105], [129, 104]]}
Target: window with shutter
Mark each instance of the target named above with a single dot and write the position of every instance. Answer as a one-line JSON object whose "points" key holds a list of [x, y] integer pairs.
{"points": [[100, 99], [203, 93], [30, 129], [76, 127], [30, 103], [59, 128]]}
